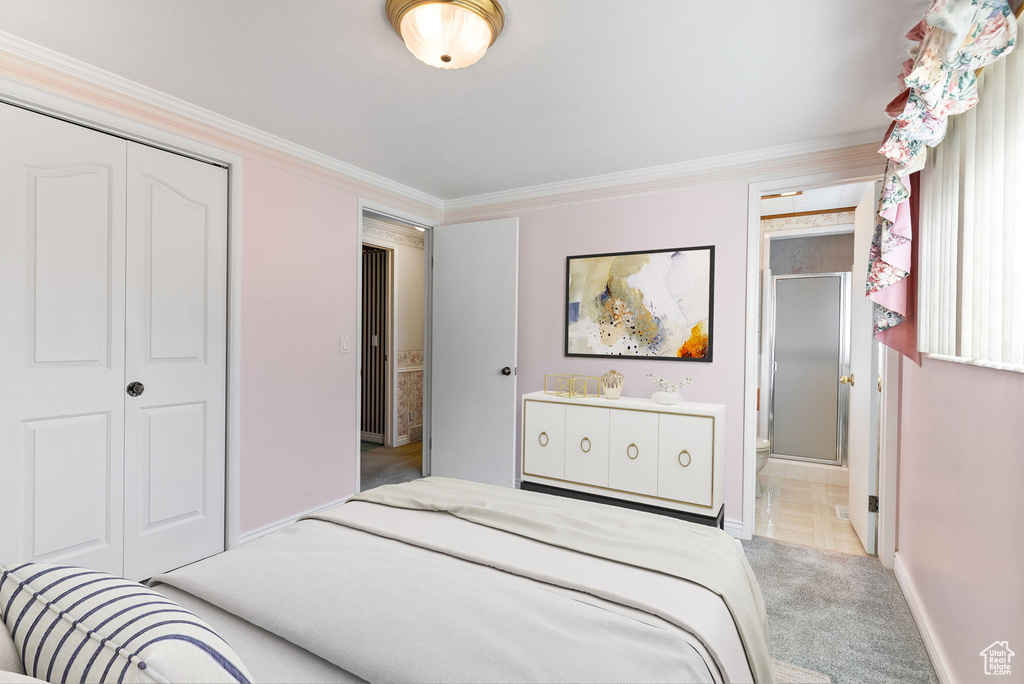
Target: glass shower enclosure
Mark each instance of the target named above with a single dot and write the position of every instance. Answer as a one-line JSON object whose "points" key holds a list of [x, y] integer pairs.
{"points": [[810, 353]]}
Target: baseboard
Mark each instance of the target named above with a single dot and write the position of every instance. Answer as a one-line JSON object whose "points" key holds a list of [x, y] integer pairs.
{"points": [[284, 522], [376, 438], [402, 440], [735, 528], [931, 641]]}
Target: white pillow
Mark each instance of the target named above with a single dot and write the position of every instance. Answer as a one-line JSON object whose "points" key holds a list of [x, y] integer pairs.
{"points": [[76, 625]]}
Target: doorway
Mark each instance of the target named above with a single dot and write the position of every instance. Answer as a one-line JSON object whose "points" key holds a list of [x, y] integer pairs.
{"points": [[461, 379], [809, 239], [393, 306]]}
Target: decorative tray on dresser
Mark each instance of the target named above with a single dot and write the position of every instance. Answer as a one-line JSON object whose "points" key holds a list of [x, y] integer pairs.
{"points": [[627, 452]]}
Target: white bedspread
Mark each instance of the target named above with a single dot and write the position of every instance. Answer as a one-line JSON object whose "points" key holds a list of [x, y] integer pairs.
{"points": [[388, 611], [696, 553]]}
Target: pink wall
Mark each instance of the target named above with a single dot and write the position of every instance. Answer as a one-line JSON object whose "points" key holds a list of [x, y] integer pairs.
{"points": [[705, 216], [299, 258], [961, 506]]}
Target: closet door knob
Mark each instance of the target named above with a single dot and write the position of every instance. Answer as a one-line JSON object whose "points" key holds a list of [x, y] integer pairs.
{"points": [[506, 371], [542, 439], [134, 389], [635, 451], [587, 440], [688, 458]]}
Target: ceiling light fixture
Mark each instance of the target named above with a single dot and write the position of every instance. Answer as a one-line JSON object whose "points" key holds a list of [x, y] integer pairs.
{"points": [[448, 34]]}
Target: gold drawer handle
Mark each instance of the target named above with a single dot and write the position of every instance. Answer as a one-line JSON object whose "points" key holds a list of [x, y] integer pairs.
{"points": [[542, 439], [587, 440], [689, 459], [636, 451]]}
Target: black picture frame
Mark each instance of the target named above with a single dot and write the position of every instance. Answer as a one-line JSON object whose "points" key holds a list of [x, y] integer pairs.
{"points": [[711, 306]]}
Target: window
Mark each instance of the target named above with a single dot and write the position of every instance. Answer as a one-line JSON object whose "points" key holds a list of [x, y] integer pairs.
{"points": [[971, 306]]}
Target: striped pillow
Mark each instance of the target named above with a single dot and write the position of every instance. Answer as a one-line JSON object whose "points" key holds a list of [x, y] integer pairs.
{"points": [[76, 625], [9, 660]]}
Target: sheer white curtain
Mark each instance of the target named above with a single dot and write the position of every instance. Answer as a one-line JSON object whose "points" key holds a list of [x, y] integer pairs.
{"points": [[971, 284]]}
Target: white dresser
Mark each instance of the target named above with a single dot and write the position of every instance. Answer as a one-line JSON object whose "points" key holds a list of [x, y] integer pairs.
{"points": [[630, 450]]}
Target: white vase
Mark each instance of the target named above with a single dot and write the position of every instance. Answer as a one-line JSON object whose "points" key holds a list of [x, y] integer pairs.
{"points": [[667, 398], [612, 383]]}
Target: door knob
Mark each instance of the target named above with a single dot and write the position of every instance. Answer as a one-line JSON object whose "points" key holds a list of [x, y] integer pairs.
{"points": [[506, 371], [848, 379], [134, 389]]}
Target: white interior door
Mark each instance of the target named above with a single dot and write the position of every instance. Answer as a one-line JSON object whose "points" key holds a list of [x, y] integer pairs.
{"points": [[474, 315], [862, 445], [62, 241], [176, 348]]}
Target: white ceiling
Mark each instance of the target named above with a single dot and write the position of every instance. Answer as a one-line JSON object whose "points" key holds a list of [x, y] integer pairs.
{"points": [[572, 88], [818, 199]]}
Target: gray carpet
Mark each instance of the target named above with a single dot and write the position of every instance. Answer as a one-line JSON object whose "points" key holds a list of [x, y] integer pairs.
{"points": [[390, 465], [838, 614]]}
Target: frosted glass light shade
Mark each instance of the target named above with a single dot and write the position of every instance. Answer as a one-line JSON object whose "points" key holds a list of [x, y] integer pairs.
{"points": [[445, 35]]}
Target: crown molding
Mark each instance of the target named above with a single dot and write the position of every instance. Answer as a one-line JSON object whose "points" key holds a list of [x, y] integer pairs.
{"points": [[390, 232], [827, 154], [807, 222], [35, 65]]}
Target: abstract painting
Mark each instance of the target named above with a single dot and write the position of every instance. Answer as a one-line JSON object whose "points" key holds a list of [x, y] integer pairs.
{"points": [[652, 305]]}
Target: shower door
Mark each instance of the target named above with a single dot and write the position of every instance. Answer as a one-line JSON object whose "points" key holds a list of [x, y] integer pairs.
{"points": [[810, 330]]}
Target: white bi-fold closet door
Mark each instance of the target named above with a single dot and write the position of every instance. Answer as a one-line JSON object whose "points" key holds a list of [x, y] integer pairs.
{"points": [[113, 271]]}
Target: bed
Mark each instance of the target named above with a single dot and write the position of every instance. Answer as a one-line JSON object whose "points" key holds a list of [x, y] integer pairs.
{"points": [[445, 580]]}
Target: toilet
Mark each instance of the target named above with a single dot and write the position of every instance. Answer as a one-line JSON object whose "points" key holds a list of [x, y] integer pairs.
{"points": [[764, 448]]}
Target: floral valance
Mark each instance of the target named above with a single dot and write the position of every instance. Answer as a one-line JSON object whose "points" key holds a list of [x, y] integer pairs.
{"points": [[955, 39]]}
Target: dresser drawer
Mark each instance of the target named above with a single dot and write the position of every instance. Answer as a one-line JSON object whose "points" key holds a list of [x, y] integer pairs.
{"points": [[586, 445], [633, 452], [544, 439], [685, 458]]}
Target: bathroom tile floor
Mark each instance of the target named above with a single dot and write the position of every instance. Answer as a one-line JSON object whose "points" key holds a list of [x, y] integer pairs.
{"points": [[805, 513]]}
